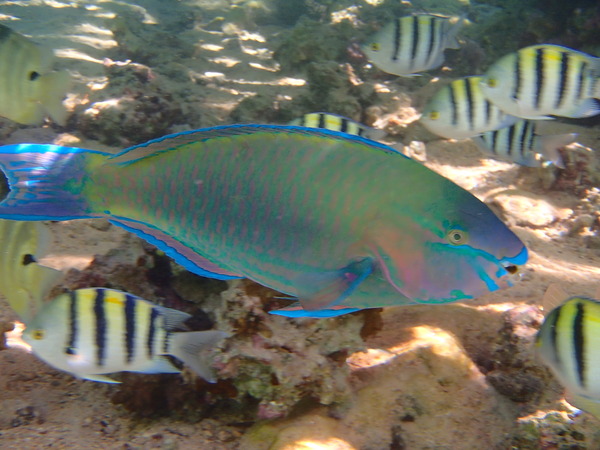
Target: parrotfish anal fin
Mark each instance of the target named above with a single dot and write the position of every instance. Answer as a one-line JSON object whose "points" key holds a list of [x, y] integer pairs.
{"points": [[175, 141], [182, 255], [296, 310], [321, 290], [46, 182], [100, 379]]}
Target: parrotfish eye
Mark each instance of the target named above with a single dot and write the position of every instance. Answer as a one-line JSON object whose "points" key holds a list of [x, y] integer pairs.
{"points": [[38, 335], [491, 82], [434, 115], [375, 46], [457, 237]]}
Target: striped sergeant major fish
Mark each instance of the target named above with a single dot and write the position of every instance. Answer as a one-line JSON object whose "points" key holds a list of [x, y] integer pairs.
{"points": [[95, 331], [568, 342], [541, 81], [29, 90], [459, 110], [521, 144], [412, 44], [339, 123]]}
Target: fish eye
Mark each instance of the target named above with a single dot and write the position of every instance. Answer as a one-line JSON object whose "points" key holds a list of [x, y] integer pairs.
{"points": [[375, 46], [38, 335], [457, 237], [33, 75], [492, 82], [434, 115]]}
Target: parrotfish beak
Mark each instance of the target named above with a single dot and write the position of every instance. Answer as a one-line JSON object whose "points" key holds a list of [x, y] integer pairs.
{"points": [[512, 266]]}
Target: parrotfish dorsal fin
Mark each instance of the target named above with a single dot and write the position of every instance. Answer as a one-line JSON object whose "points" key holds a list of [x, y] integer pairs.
{"points": [[173, 141]]}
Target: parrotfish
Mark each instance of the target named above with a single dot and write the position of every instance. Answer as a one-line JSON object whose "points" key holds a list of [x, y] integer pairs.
{"points": [[336, 221]]}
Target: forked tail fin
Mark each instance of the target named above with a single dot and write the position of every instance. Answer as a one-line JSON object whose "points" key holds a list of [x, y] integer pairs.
{"points": [[46, 182]]}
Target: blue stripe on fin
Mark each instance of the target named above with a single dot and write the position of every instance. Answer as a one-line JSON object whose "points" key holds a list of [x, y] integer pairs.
{"points": [[182, 255], [296, 310], [174, 141], [45, 182]]}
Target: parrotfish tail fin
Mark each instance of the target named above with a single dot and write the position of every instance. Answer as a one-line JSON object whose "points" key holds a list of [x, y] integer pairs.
{"points": [[549, 146], [173, 318], [585, 403], [321, 290], [46, 182], [296, 310], [188, 345], [54, 87]]}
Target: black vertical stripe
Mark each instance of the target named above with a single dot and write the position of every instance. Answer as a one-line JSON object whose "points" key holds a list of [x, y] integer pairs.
{"points": [[516, 93], [470, 104], [100, 315], [579, 343], [564, 78], [415, 40], [154, 313], [539, 76], [453, 105], [511, 136], [130, 304], [583, 68], [430, 47], [553, 321], [531, 136], [397, 37], [165, 348], [487, 110], [344, 126], [522, 138], [322, 121], [494, 142], [73, 325]]}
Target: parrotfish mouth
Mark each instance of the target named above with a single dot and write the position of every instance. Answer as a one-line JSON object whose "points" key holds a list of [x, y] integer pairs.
{"points": [[512, 265]]}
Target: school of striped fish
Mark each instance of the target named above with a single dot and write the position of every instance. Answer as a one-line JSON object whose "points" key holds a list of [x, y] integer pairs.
{"points": [[294, 207]]}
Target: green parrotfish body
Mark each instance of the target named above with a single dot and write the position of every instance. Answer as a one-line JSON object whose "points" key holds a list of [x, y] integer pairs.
{"points": [[337, 221]]}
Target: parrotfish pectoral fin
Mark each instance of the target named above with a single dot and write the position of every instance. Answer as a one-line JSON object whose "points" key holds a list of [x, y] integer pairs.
{"points": [[100, 379], [182, 254], [46, 182], [188, 345], [322, 290], [296, 310]]}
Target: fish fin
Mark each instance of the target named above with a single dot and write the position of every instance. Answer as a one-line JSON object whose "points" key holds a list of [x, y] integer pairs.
{"points": [[554, 296], [54, 89], [296, 310], [453, 29], [99, 378], [587, 108], [159, 364], [182, 254], [584, 403], [173, 317], [46, 182], [550, 144], [188, 346], [320, 290]]}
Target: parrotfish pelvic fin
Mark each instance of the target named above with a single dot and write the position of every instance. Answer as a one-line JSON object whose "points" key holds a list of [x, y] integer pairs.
{"points": [[46, 182], [183, 255], [320, 290], [296, 310]]}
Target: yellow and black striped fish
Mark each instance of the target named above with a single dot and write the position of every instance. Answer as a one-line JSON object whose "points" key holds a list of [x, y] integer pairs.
{"points": [[339, 123], [412, 44], [569, 343], [545, 80], [459, 110], [95, 331], [521, 144], [28, 89]]}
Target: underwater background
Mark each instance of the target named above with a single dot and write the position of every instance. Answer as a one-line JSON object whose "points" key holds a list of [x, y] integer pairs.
{"points": [[455, 376]]}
